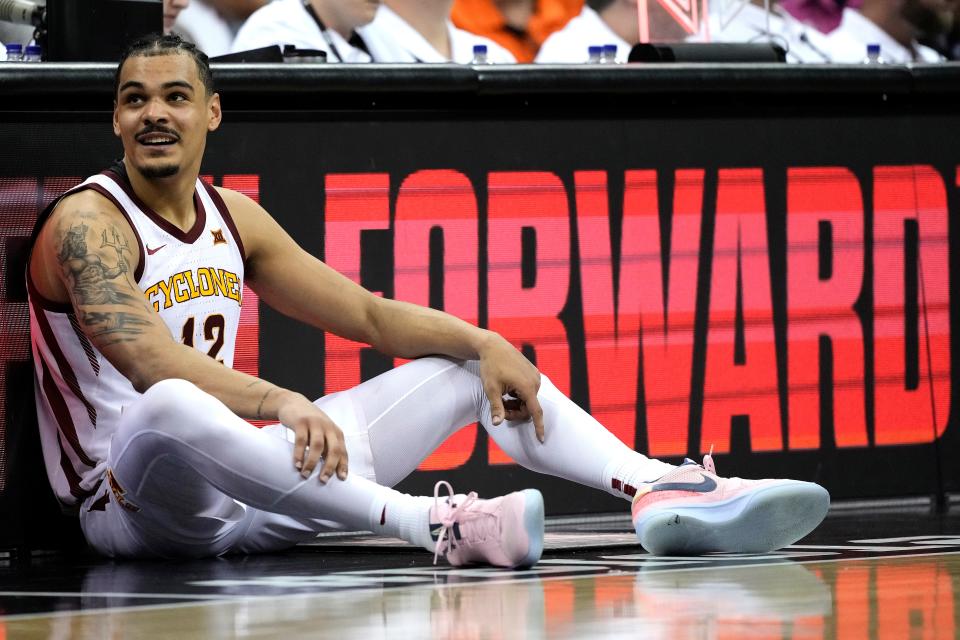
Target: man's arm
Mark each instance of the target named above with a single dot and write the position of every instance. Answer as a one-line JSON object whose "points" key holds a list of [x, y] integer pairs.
{"points": [[84, 255], [299, 285]]}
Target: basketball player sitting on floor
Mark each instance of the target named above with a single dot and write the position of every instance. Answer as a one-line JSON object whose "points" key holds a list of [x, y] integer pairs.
{"points": [[135, 280]]}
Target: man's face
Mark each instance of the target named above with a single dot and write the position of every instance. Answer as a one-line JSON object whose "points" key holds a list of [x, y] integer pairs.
{"points": [[236, 9], [352, 13], [930, 17], [172, 8], [163, 114]]}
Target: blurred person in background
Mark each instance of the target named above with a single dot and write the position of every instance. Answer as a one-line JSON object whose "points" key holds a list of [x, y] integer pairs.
{"points": [[606, 22], [822, 15], [895, 25], [601, 22], [749, 22], [213, 24], [12, 33], [519, 25], [324, 25], [947, 43], [172, 9], [411, 31]]}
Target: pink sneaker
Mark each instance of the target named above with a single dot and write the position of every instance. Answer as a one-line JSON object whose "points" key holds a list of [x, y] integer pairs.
{"points": [[505, 531], [692, 510]]}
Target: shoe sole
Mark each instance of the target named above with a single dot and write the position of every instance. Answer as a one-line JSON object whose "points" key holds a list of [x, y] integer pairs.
{"points": [[755, 522], [533, 523]]}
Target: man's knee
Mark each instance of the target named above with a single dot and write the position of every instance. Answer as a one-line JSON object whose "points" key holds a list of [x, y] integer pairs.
{"points": [[166, 406], [545, 382], [173, 394]]}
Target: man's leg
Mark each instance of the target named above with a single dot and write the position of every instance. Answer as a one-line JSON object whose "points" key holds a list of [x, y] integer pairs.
{"points": [[409, 411], [394, 421], [181, 464], [688, 509]]}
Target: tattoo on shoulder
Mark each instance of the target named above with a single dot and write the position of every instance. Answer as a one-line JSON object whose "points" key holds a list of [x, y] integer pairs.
{"points": [[96, 278], [90, 275]]}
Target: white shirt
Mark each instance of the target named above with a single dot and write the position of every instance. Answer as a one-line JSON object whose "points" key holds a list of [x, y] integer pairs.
{"points": [[748, 23], [11, 33], [392, 39], [285, 22], [570, 44], [848, 43], [200, 24]]}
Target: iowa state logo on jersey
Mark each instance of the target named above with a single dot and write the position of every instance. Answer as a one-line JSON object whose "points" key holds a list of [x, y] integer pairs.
{"points": [[190, 284]]}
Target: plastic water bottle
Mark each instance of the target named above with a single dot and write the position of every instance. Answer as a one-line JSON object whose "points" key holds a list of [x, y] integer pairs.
{"points": [[34, 53], [873, 55], [609, 54], [14, 52], [480, 54], [594, 54]]}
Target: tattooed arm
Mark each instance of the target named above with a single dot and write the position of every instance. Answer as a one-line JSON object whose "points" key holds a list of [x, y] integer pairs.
{"points": [[106, 301], [86, 255], [299, 285]]}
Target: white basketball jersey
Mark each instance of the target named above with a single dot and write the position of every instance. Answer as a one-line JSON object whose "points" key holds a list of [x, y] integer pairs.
{"points": [[193, 279]]}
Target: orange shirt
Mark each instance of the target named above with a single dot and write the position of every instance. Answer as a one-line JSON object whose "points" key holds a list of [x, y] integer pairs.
{"points": [[484, 18]]}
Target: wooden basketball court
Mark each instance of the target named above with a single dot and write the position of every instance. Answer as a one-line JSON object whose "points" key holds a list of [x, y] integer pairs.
{"points": [[878, 572]]}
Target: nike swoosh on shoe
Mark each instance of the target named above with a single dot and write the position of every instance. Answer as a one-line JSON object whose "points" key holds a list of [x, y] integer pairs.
{"points": [[706, 485]]}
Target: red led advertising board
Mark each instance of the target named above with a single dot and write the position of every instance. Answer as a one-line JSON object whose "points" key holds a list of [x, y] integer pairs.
{"points": [[785, 303]]}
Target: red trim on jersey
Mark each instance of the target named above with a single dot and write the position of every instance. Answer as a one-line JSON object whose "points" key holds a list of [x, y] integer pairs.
{"points": [[63, 364], [85, 343], [227, 218], [73, 478], [38, 299], [101, 503], [138, 272], [66, 307], [62, 413], [189, 236]]}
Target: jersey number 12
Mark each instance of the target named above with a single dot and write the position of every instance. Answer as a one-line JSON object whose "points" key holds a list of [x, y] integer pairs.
{"points": [[213, 329]]}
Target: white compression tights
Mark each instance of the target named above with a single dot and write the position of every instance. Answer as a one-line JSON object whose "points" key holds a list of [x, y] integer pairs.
{"points": [[184, 462], [447, 395]]}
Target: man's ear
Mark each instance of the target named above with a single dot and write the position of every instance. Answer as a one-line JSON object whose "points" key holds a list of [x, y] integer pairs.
{"points": [[216, 115], [116, 119]]}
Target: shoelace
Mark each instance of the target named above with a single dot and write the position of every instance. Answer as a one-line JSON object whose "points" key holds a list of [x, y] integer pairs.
{"points": [[449, 519], [708, 462]]}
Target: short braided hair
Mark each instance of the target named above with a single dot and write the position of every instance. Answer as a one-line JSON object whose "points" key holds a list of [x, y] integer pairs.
{"points": [[162, 45]]}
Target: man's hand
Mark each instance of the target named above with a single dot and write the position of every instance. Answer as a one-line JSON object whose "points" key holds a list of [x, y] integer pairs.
{"points": [[316, 436], [504, 371]]}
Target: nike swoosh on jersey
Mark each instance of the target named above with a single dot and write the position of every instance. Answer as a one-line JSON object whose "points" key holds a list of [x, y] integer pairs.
{"points": [[706, 485], [150, 251]]}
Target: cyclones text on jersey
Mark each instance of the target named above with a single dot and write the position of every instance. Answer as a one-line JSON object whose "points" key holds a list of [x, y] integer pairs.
{"points": [[190, 284]]}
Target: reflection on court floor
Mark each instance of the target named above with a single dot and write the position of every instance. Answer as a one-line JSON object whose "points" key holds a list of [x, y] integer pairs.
{"points": [[897, 586]]}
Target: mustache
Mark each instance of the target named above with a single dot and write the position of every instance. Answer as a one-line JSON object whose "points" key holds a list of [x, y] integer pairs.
{"points": [[156, 128]]}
